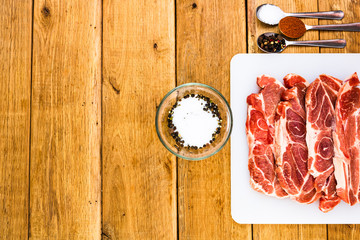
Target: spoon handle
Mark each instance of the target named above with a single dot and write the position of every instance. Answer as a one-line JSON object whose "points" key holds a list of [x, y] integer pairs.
{"points": [[335, 43], [349, 27], [321, 15]]}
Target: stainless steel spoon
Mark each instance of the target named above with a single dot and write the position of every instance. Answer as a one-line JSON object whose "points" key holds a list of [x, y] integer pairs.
{"points": [[265, 10], [334, 43], [291, 23]]}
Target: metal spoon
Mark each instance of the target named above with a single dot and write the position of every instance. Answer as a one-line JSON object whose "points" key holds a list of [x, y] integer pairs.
{"points": [[334, 43], [296, 23], [264, 10]]}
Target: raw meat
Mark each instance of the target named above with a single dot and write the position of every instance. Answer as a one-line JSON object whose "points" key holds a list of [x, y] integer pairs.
{"points": [[330, 199], [347, 141], [290, 142], [320, 116], [260, 133]]}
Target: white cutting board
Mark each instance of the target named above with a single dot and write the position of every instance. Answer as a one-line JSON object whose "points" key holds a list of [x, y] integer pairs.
{"points": [[248, 206]]}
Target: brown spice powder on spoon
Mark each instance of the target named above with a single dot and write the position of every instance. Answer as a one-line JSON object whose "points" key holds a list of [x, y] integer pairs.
{"points": [[292, 27]]}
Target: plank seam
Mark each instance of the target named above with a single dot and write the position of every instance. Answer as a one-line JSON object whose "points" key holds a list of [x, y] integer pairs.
{"points": [[252, 231], [176, 159], [175, 45], [31, 86], [327, 231], [177, 201], [101, 118], [246, 26], [319, 35]]}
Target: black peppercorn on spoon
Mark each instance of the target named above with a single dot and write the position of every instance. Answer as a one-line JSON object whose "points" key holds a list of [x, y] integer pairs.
{"points": [[275, 43]]}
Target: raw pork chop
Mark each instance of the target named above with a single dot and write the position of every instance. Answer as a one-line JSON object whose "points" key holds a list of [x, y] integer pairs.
{"points": [[347, 141], [290, 142], [260, 134], [320, 115]]}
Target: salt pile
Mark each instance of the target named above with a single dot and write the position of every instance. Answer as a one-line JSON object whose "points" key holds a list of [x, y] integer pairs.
{"points": [[195, 123]]}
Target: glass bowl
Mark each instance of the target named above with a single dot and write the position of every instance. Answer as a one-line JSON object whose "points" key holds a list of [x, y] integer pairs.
{"points": [[164, 132]]}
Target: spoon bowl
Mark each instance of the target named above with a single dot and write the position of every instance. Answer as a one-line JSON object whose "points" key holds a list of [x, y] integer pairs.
{"points": [[269, 36], [272, 14], [265, 10], [333, 43]]}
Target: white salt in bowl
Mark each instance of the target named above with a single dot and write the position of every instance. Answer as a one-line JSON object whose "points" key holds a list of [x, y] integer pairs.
{"points": [[164, 131]]}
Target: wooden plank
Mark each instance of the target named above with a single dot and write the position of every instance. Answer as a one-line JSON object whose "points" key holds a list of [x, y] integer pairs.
{"points": [[65, 184], [343, 231], [209, 33], [315, 231], [291, 232], [351, 10], [139, 174], [15, 75], [255, 28]]}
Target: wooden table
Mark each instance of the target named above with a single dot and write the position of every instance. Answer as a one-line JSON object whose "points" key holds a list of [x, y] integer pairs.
{"points": [[80, 82]]}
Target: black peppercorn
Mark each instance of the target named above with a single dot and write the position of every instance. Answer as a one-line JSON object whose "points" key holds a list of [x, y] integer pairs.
{"points": [[272, 42], [210, 106]]}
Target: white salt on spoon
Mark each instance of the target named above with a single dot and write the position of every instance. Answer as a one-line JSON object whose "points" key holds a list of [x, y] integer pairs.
{"points": [[269, 14], [272, 14]]}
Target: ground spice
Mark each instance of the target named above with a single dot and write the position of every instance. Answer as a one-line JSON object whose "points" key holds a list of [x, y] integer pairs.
{"points": [[292, 27]]}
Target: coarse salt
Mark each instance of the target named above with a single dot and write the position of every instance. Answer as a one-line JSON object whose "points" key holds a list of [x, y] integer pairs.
{"points": [[193, 123], [270, 14]]}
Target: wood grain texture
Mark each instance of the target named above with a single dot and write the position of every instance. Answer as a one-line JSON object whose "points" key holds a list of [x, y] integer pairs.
{"points": [[15, 82], [343, 231], [256, 28], [139, 174], [291, 232], [65, 184], [352, 14], [209, 34], [140, 178]]}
